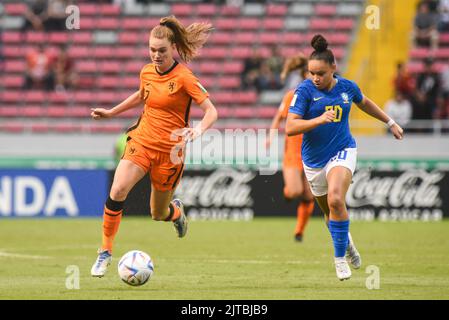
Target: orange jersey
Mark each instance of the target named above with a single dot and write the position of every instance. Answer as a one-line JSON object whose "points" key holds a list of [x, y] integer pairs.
{"points": [[292, 149], [167, 97]]}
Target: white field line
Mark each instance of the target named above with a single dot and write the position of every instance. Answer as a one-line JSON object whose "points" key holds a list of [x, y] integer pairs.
{"points": [[22, 256]]}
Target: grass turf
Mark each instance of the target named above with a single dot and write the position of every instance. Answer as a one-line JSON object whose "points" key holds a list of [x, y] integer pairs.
{"points": [[224, 260]]}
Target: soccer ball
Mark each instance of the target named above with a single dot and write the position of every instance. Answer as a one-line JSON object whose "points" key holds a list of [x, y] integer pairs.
{"points": [[135, 268]]}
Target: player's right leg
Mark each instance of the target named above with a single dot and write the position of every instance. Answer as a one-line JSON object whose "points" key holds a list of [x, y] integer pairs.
{"points": [[293, 187], [126, 176]]}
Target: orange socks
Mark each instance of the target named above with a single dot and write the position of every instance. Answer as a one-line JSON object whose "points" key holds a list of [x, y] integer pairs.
{"points": [[304, 211], [174, 212], [111, 221]]}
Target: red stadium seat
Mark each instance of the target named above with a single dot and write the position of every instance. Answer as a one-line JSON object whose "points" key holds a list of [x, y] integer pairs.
{"points": [[230, 10], [225, 24], [59, 97], [419, 53], [221, 38], [133, 66], [12, 96], [58, 37], [110, 66], [66, 127], [244, 112], [320, 24], [78, 52], [78, 111], [269, 38], [109, 82], [15, 66], [240, 52], [245, 37], [12, 127], [127, 52], [35, 96], [442, 53], [32, 111], [131, 82], [87, 23], [12, 37], [267, 112], [182, 9], [56, 112], [224, 112], [215, 52], [84, 96], [107, 24], [11, 81], [292, 38], [249, 23], [103, 52], [107, 127], [276, 9], [249, 97], [229, 82], [206, 9], [130, 38], [273, 24], [109, 9], [339, 38], [9, 111], [40, 127], [88, 9], [81, 37], [233, 67], [325, 10], [209, 67], [15, 9], [35, 37], [344, 24], [86, 66], [14, 51]]}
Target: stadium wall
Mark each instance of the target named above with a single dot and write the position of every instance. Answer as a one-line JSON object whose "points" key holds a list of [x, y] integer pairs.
{"points": [[226, 193]]}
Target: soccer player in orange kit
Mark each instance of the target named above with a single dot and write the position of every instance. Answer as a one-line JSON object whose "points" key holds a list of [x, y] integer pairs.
{"points": [[156, 142], [296, 185]]}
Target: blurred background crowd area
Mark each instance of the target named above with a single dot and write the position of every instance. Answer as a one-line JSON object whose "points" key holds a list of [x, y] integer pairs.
{"points": [[52, 75]]}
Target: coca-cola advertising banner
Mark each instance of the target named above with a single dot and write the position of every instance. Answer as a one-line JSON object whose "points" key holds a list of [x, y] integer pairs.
{"points": [[228, 193]]}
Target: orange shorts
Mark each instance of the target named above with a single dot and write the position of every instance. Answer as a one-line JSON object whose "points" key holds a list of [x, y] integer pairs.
{"points": [[165, 173], [292, 152]]}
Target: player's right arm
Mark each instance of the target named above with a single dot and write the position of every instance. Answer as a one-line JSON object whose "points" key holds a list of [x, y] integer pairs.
{"points": [[275, 124], [300, 104], [132, 101], [297, 125]]}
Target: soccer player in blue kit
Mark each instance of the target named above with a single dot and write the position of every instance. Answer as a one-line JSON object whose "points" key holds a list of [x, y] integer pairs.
{"points": [[320, 109]]}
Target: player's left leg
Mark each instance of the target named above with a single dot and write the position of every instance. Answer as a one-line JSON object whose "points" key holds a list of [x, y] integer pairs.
{"points": [[163, 208], [305, 208], [339, 178], [165, 177]]}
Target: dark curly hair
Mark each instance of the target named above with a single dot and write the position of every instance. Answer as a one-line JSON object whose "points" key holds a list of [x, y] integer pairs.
{"points": [[319, 44]]}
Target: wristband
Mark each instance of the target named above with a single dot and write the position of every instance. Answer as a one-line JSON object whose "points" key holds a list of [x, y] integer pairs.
{"points": [[390, 122]]}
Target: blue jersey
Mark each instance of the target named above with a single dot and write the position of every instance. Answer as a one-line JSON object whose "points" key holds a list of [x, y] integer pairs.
{"points": [[325, 141]]}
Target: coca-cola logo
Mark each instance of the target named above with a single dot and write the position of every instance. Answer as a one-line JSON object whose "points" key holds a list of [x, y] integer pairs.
{"points": [[413, 188], [223, 187]]}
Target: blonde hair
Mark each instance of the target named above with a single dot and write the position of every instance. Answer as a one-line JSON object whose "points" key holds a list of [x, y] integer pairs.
{"points": [[188, 40], [294, 63]]}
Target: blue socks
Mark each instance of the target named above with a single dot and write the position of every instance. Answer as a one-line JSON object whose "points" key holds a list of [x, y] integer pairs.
{"points": [[339, 232]]}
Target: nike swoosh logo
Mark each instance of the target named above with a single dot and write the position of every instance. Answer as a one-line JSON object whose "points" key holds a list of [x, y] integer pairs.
{"points": [[316, 99]]}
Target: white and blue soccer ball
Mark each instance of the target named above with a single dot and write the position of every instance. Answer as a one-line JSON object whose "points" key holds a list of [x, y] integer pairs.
{"points": [[135, 268]]}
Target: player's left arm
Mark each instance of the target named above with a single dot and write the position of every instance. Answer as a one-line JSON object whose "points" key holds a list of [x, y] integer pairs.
{"points": [[209, 118], [370, 107]]}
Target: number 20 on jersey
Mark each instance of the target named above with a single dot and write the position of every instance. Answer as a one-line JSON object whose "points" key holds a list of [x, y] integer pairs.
{"points": [[338, 112]]}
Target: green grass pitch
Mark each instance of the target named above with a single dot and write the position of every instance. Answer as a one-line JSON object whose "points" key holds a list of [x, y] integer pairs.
{"points": [[224, 260]]}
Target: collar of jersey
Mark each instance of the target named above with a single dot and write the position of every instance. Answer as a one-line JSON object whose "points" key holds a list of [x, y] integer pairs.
{"points": [[168, 71]]}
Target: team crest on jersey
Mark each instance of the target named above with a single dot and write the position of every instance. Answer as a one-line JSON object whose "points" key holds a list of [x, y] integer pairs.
{"points": [[201, 87], [171, 86], [345, 97]]}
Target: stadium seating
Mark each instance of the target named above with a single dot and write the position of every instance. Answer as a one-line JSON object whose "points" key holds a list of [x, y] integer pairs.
{"points": [[111, 47]]}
